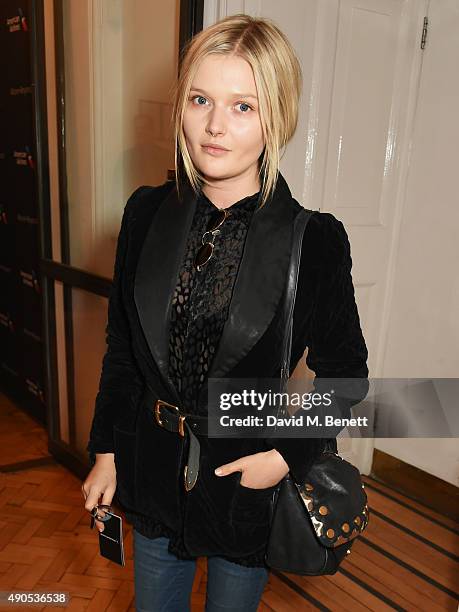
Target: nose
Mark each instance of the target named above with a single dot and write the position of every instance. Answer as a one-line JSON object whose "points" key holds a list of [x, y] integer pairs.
{"points": [[216, 121]]}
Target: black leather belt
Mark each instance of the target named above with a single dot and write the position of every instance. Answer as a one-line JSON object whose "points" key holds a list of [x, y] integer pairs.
{"points": [[171, 418]]}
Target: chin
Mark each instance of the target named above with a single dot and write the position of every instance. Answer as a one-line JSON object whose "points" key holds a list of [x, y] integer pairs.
{"points": [[212, 172]]}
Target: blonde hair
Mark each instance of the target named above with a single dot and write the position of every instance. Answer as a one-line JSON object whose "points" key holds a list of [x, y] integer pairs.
{"points": [[278, 79]]}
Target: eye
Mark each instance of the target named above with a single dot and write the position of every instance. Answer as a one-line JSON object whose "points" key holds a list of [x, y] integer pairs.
{"points": [[201, 97], [245, 104]]}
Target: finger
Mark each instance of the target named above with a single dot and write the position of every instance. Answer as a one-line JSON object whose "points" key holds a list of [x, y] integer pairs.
{"points": [[229, 468], [99, 512], [108, 496], [92, 500], [99, 525], [106, 501]]}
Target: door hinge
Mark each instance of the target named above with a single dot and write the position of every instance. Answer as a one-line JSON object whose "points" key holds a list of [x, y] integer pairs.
{"points": [[424, 33]]}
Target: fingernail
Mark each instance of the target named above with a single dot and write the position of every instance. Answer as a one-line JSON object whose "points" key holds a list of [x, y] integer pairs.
{"points": [[219, 472]]}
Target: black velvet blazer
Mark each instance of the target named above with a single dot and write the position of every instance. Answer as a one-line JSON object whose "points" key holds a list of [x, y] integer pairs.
{"points": [[218, 515]]}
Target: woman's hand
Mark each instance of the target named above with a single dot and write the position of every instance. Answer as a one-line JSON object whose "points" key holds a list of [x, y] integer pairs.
{"points": [[101, 480], [259, 471]]}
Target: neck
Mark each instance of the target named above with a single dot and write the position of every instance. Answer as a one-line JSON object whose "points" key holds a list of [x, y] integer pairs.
{"points": [[226, 192]]}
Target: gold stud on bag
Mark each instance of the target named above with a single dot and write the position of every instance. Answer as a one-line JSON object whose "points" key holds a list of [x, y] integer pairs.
{"points": [[313, 525]]}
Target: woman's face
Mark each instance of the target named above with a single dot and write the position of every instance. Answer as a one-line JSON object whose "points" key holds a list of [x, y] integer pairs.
{"points": [[218, 112]]}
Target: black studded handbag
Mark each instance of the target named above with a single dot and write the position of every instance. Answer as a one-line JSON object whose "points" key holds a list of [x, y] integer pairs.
{"points": [[313, 525]]}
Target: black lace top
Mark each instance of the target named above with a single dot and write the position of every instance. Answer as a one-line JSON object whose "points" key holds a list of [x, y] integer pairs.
{"points": [[199, 311]]}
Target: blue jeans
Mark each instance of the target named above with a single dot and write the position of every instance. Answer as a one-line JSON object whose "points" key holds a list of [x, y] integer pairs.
{"points": [[163, 583]]}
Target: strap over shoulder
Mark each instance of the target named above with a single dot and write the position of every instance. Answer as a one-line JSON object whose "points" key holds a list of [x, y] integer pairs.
{"points": [[299, 227]]}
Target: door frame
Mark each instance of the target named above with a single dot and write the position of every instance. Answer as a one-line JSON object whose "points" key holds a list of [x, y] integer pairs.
{"points": [[52, 271]]}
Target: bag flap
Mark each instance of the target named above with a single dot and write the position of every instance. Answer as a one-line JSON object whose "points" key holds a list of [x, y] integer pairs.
{"points": [[335, 498]]}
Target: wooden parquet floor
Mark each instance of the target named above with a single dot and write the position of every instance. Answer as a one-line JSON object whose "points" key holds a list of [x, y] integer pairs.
{"points": [[407, 559]]}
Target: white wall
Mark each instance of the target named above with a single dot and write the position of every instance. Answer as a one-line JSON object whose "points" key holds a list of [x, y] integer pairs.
{"points": [[120, 63], [423, 330]]}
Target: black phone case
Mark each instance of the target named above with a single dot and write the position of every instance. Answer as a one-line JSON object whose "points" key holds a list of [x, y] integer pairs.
{"points": [[111, 539]]}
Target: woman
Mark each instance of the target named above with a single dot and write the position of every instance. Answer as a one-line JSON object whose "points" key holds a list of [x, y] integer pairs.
{"points": [[181, 312]]}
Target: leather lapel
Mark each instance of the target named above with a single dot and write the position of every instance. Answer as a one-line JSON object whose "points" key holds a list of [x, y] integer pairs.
{"points": [[157, 271], [257, 290]]}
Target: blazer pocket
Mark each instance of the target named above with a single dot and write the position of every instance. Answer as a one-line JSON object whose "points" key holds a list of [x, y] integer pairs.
{"points": [[251, 506], [125, 464]]}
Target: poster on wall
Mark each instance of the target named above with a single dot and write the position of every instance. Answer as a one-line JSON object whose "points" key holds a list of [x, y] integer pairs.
{"points": [[21, 337]]}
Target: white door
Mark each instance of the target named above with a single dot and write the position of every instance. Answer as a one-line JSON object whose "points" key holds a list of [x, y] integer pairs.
{"points": [[361, 64]]}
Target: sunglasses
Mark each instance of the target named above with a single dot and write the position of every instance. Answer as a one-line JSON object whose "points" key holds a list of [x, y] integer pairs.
{"points": [[207, 248]]}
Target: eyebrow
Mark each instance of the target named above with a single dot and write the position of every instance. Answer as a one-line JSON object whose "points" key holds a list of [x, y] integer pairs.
{"points": [[235, 94]]}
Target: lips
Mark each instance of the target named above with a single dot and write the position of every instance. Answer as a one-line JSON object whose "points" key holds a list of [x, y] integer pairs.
{"points": [[215, 152], [214, 146]]}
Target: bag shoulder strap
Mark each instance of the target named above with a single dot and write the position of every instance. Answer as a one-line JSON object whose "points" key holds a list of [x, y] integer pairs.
{"points": [[300, 222]]}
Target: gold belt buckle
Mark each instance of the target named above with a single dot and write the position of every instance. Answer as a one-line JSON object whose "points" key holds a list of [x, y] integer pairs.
{"points": [[158, 405]]}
